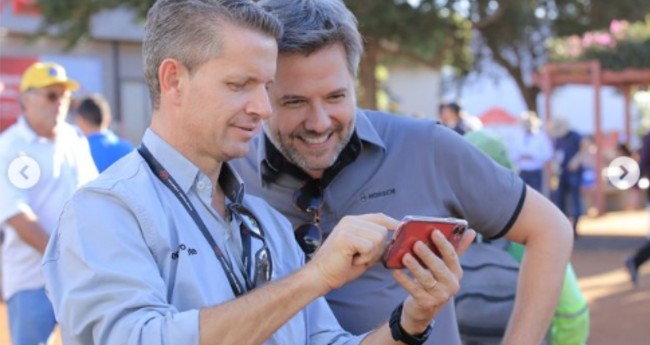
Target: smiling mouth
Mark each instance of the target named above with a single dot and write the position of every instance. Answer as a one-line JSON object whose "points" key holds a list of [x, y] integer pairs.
{"points": [[315, 140], [251, 128]]}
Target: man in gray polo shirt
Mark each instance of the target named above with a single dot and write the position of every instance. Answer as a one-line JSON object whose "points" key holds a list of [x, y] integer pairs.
{"points": [[321, 158]]}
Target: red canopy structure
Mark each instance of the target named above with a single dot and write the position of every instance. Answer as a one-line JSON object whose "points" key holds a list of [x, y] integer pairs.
{"points": [[498, 116], [592, 73]]}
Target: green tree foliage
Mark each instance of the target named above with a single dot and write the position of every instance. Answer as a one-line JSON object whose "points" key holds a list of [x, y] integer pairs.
{"points": [[513, 36], [514, 32], [391, 28], [422, 33], [623, 46], [577, 17], [72, 18]]}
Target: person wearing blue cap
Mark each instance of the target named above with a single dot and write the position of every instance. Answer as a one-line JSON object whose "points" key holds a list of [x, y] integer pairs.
{"points": [[42, 162]]}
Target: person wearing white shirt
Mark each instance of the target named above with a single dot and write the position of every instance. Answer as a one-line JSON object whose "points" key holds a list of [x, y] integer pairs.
{"points": [[43, 160], [530, 151]]}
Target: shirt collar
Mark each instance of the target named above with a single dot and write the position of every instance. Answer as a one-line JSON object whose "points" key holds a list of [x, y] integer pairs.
{"points": [[272, 163], [366, 131], [25, 131], [185, 172]]}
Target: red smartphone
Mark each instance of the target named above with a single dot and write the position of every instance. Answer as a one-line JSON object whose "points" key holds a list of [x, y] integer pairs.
{"points": [[415, 228]]}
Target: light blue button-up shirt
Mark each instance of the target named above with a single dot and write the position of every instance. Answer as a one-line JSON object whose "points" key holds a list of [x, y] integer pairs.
{"points": [[111, 275]]}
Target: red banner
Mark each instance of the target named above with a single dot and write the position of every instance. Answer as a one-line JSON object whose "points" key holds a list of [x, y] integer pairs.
{"points": [[11, 71], [28, 7]]}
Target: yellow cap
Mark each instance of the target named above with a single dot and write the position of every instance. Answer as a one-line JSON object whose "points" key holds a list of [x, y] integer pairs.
{"points": [[42, 74]]}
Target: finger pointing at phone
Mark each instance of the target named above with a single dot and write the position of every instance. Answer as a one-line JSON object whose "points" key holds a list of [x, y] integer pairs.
{"points": [[435, 279], [355, 244]]}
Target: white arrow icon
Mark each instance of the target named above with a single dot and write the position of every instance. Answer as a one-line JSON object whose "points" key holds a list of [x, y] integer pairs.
{"points": [[623, 172], [24, 172]]}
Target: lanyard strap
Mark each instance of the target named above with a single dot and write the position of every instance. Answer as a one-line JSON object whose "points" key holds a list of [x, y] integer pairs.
{"points": [[164, 176]]}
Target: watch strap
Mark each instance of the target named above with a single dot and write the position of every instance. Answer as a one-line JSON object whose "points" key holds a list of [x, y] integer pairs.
{"points": [[399, 334]]}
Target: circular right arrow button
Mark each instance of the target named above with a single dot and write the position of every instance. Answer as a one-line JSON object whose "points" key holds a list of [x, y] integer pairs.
{"points": [[623, 172]]}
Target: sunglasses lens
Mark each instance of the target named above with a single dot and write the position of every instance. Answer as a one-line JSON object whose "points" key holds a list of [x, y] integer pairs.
{"points": [[248, 220], [309, 197], [309, 237], [263, 267]]}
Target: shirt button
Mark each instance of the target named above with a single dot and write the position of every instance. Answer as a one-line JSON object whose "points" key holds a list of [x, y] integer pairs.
{"points": [[200, 185]]}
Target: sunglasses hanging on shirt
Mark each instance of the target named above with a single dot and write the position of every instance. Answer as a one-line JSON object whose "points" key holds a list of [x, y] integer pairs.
{"points": [[250, 228], [309, 199]]}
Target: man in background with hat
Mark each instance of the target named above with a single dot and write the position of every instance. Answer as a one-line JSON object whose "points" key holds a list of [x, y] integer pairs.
{"points": [[42, 162]]}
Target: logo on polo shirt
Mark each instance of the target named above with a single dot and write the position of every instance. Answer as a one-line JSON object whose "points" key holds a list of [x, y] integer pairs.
{"points": [[367, 196], [183, 248]]}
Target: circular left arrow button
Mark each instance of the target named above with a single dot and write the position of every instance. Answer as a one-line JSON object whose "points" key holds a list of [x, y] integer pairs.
{"points": [[24, 172]]}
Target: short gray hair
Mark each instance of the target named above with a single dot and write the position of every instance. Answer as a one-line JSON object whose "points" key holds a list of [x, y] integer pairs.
{"points": [[188, 31], [310, 25]]}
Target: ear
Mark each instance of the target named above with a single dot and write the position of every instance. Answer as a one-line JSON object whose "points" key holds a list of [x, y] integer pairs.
{"points": [[170, 75], [81, 123], [23, 98]]}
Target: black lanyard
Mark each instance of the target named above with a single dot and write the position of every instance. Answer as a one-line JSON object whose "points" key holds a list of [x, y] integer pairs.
{"points": [[164, 176]]}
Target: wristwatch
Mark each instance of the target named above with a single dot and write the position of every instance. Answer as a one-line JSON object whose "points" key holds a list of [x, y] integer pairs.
{"points": [[399, 334]]}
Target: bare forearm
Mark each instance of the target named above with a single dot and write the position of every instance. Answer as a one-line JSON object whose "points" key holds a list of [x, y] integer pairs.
{"points": [[29, 230], [540, 283], [254, 317], [355, 244]]}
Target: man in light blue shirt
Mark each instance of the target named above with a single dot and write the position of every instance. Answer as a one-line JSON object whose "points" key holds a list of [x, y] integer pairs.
{"points": [[165, 246]]}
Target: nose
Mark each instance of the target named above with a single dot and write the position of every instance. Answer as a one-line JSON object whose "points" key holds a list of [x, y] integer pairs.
{"points": [[260, 104], [318, 119]]}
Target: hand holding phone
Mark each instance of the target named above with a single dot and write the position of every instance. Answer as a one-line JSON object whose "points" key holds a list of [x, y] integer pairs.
{"points": [[415, 228]]}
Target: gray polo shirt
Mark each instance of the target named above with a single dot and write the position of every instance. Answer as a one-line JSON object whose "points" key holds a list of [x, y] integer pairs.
{"points": [[406, 167], [128, 265]]}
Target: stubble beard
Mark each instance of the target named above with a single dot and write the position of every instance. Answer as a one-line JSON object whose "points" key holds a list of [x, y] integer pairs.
{"points": [[290, 152]]}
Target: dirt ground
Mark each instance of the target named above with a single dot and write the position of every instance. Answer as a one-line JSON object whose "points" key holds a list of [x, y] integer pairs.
{"points": [[620, 313]]}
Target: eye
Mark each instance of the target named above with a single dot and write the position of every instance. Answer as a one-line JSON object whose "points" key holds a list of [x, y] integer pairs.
{"points": [[236, 86], [294, 103], [336, 97]]}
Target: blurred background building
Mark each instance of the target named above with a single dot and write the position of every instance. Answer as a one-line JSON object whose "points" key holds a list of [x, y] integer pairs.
{"points": [[110, 63]]}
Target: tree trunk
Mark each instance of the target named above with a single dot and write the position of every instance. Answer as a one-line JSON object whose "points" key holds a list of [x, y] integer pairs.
{"points": [[367, 82], [528, 93], [530, 97]]}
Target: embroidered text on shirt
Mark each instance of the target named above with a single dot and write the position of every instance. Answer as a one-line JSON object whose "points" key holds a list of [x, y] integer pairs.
{"points": [[183, 247], [378, 194]]}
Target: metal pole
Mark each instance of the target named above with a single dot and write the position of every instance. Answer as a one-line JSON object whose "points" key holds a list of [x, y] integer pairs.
{"points": [[596, 74]]}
